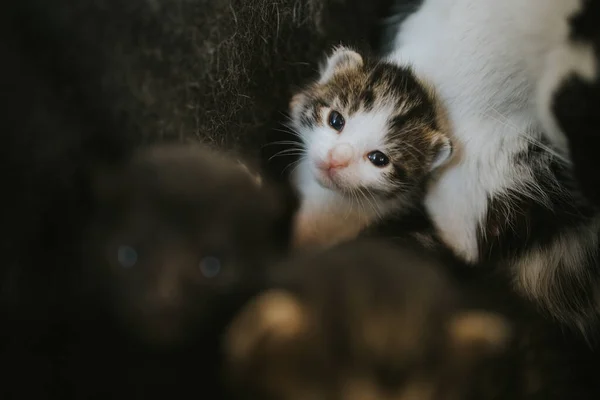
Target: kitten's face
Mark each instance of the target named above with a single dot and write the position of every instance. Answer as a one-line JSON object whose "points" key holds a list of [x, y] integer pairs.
{"points": [[177, 231], [363, 321], [368, 126]]}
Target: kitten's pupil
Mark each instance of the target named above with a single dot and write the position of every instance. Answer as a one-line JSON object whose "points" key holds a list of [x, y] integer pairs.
{"points": [[336, 121], [378, 159]]}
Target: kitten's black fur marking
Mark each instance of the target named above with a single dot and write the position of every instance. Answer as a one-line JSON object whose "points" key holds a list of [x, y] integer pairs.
{"points": [[576, 105]]}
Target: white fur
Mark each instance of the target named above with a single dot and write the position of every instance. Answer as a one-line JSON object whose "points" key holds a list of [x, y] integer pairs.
{"points": [[484, 58]]}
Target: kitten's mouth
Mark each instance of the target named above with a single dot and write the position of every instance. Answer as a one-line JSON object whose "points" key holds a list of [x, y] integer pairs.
{"points": [[325, 179], [328, 180]]}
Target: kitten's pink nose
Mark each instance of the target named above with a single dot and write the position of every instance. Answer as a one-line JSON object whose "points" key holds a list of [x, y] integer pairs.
{"points": [[340, 156]]}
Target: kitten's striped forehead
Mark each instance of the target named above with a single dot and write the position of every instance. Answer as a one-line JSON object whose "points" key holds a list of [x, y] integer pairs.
{"points": [[375, 85], [380, 87]]}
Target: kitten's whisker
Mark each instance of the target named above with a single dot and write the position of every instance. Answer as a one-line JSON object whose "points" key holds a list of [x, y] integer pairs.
{"points": [[283, 142], [361, 202], [289, 132], [373, 205], [349, 210], [294, 165], [289, 152], [284, 155]]}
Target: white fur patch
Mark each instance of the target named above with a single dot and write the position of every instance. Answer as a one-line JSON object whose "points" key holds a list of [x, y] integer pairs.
{"points": [[483, 57]]}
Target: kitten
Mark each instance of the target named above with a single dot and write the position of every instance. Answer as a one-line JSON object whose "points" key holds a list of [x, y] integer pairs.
{"points": [[178, 242], [177, 226], [510, 198], [372, 134], [366, 320]]}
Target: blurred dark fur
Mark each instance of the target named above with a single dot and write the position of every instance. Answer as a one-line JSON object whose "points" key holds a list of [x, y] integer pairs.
{"points": [[365, 320], [149, 323], [84, 83], [199, 232], [175, 230]]}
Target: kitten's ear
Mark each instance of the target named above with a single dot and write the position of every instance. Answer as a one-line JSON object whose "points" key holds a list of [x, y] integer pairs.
{"points": [[442, 151], [340, 59], [295, 105], [476, 334], [271, 319]]}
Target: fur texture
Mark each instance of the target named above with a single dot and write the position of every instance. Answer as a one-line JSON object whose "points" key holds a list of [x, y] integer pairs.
{"points": [[511, 197]]}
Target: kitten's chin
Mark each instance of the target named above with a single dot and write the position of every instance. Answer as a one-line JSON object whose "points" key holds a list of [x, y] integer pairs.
{"points": [[324, 181]]}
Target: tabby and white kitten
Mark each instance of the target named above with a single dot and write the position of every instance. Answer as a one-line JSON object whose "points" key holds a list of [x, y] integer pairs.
{"points": [[510, 197], [373, 136]]}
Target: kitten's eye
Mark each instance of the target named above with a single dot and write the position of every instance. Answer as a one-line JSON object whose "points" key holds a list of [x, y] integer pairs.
{"points": [[210, 266], [336, 121], [127, 256], [378, 159]]}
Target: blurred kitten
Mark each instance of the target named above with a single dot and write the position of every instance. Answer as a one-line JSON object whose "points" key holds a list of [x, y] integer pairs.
{"points": [[368, 321], [177, 244]]}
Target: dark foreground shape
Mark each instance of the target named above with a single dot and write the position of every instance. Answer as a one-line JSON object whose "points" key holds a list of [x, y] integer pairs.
{"points": [[177, 240], [366, 320], [83, 84]]}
